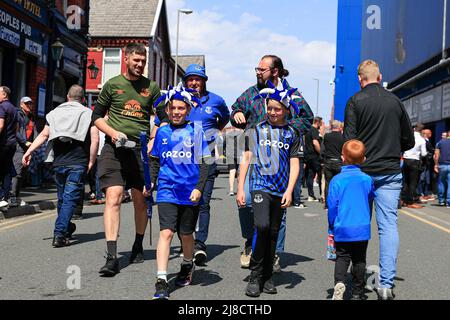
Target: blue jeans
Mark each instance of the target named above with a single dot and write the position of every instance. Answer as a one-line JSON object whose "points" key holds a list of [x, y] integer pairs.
{"points": [[298, 186], [443, 184], [281, 234], [387, 194], [70, 186], [201, 233], [247, 221]]}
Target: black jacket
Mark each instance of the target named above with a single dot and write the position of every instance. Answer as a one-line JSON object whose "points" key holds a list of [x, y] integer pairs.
{"points": [[378, 118]]}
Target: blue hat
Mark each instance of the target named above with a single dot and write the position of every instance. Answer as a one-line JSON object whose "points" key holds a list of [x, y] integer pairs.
{"points": [[282, 94], [177, 93], [195, 70]]}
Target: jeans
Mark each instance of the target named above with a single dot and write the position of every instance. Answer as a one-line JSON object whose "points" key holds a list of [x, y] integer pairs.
{"points": [[281, 233], [298, 185], [201, 232], [387, 194], [443, 183], [70, 186]]}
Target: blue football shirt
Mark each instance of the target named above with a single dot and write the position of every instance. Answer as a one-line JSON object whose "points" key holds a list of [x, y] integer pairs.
{"points": [[180, 150], [272, 149]]}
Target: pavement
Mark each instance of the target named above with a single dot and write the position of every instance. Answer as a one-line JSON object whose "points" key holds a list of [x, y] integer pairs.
{"points": [[37, 199], [32, 269]]}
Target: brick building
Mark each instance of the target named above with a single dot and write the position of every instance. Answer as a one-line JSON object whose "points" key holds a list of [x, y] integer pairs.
{"points": [[28, 29], [113, 24]]}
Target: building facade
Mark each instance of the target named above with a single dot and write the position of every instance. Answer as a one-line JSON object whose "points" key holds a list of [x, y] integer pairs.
{"points": [[28, 29], [110, 30], [410, 42]]}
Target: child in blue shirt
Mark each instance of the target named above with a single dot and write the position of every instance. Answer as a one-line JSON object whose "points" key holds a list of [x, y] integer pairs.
{"points": [[274, 147], [349, 215], [178, 164]]}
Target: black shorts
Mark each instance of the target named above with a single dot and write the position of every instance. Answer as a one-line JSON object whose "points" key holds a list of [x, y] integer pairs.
{"points": [[120, 167], [178, 218]]}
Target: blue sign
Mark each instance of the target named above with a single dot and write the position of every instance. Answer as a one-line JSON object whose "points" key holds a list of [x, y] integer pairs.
{"points": [[10, 36], [397, 34], [41, 101], [32, 8]]}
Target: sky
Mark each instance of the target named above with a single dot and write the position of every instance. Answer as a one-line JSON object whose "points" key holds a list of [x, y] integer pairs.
{"points": [[234, 35]]}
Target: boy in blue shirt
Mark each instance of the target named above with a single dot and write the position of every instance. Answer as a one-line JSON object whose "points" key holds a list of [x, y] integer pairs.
{"points": [[349, 215], [178, 152], [274, 147]]}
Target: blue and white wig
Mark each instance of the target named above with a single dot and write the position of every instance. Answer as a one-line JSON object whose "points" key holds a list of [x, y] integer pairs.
{"points": [[178, 93], [281, 94]]}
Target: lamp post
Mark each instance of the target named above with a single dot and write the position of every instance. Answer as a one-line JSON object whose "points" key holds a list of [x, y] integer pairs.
{"points": [[57, 51], [92, 69], [317, 106], [185, 11]]}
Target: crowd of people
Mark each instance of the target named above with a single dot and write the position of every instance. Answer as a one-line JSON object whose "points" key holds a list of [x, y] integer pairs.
{"points": [[357, 166]]}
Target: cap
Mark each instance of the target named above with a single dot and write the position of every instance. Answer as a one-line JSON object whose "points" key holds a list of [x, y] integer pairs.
{"points": [[195, 70], [25, 100]]}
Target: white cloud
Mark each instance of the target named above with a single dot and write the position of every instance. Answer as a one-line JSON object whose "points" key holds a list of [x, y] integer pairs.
{"points": [[233, 49]]}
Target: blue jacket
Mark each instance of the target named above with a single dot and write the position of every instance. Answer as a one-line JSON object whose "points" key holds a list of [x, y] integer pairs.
{"points": [[349, 197], [213, 114]]}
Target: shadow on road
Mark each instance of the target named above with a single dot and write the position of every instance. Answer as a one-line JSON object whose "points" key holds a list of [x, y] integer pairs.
{"points": [[289, 278], [214, 250], [79, 238], [201, 277], [90, 215], [291, 259]]}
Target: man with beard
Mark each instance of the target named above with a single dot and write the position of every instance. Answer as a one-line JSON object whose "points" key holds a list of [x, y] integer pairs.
{"points": [[128, 98], [246, 114]]}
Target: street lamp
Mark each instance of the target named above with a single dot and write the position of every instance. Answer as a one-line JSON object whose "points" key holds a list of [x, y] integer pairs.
{"points": [[92, 69], [185, 11], [57, 51], [317, 106]]}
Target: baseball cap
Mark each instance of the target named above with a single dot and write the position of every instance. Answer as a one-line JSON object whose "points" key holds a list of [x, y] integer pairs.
{"points": [[25, 100], [195, 70]]}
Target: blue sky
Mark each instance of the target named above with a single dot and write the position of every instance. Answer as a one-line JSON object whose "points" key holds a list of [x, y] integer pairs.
{"points": [[235, 34]]}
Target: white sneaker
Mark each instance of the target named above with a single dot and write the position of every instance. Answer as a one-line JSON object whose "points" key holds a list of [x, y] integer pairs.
{"points": [[3, 203], [313, 199], [300, 206], [339, 290]]}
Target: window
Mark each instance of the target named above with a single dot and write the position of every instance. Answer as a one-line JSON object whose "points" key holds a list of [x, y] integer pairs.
{"points": [[111, 64], [21, 80]]}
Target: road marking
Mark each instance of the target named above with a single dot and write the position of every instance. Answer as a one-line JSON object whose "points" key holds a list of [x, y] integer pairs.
{"points": [[425, 221], [14, 224]]}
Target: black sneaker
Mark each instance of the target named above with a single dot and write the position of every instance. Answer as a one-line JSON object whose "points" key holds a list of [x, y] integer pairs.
{"points": [[111, 267], [60, 241], [137, 255], [254, 286], [269, 286], [200, 255], [71, 230], [161, 290], [184, 277]]}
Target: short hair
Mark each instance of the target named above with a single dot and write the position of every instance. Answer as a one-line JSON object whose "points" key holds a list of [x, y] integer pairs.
{"points": [[335, 124], [76, 93], [354, 152], [317, 119], [277, 63], [369, 70], [135, 47], [419, 127], [6, 90]]}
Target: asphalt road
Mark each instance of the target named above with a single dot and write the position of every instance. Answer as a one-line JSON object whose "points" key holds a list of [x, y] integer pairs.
{"points": [[31, 268]]}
